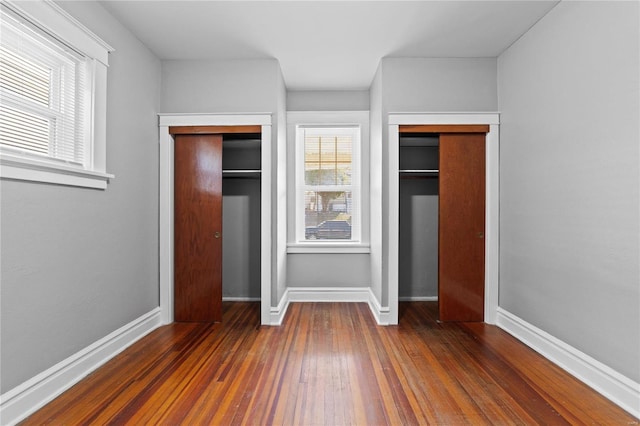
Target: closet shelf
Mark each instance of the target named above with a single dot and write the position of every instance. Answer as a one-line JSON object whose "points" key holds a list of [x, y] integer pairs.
{"points": [[242, 173], [419, 171]]}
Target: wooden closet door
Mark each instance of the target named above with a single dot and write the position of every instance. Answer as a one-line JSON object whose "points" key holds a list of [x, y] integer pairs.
{"points": [[198, 228], [461, 227]]}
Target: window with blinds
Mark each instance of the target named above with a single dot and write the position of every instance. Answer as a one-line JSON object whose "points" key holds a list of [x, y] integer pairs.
{"points": [[329, 183], [43, 94]]}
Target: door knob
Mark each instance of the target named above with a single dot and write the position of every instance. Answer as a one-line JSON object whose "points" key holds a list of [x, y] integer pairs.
{"points": [[480, 234], [216, 234]]}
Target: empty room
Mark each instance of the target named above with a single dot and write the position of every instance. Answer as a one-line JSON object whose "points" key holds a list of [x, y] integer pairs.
{"points": [[319, 212]]}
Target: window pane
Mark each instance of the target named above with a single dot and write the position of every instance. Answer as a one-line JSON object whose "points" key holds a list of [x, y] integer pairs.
{"points": [[327, 215], [42, 94], [327, 181], [328, 160]]}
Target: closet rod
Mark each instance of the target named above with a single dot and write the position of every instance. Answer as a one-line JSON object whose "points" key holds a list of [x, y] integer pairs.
{"points": [[419, 171], [419, 174], [242, 174]]}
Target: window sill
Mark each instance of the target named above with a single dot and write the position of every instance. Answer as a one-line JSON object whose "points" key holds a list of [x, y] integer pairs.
{"points": [[328, 247], [33, 170]]}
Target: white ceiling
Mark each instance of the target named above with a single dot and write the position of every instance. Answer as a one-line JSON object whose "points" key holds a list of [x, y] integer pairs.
{"points": [[327, 45]]}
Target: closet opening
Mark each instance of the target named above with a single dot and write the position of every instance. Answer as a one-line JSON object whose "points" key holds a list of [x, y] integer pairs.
{"points": [[241, 230], [441, 229], [217, 219], [418, 225]]}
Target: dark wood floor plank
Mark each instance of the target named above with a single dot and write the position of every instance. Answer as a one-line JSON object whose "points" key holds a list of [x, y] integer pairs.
{"points": [[329, 364], [546, 380]]}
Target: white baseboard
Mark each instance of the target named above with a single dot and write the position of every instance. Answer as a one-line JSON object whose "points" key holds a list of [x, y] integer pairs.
{"points": [[329, 294], [277, 314], [380, 313], [25, 399], [621, 390]]}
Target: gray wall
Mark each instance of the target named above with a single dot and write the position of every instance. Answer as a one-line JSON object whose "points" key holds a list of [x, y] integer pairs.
{"points": [[327, 100], [328, 270], [280, 209], [376, 183], [78, 264], [569, 160], [424, 85], [235, 86], [439, 84], [220, 86]]}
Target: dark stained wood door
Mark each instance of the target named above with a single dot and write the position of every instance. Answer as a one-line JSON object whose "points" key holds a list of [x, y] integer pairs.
{"points": [[198, 228], [461, 227]]}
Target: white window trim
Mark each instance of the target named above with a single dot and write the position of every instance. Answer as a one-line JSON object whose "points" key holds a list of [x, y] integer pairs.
{"points": [[55, 21], [337, 119]]}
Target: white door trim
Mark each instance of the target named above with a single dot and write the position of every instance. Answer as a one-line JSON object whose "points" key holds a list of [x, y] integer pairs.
{"points": [[166, 201], [491, 206]]}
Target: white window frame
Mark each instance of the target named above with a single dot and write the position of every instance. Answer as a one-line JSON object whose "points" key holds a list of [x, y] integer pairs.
{"points": [[296, 242], [54, 21]]}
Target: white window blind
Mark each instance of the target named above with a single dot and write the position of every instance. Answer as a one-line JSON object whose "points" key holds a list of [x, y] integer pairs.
{"points": [[328, 187], [43, 94]]}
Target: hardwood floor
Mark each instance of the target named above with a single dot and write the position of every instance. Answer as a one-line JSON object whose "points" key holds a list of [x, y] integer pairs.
{"points": [[330, 364]]}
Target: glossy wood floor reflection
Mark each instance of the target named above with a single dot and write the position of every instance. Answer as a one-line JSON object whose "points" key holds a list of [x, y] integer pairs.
{"points": [[330, 364]]}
